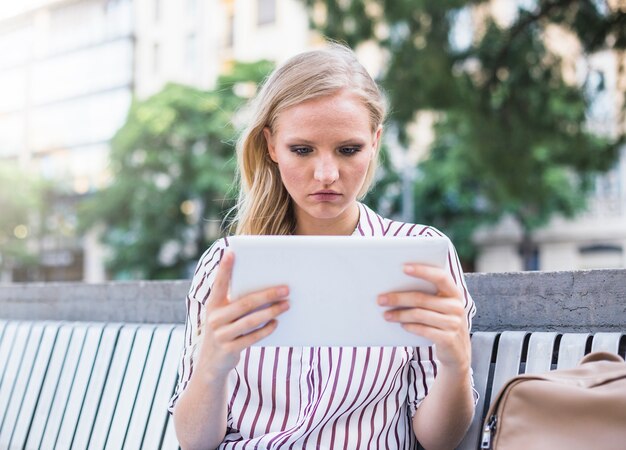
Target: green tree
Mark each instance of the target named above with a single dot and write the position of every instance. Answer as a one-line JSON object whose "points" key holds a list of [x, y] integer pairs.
{"points": [[172, 167], [513, 137], [20, 217]]}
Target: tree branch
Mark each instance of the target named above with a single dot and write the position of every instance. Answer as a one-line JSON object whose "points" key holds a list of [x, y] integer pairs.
{"points": [[519, 27]]}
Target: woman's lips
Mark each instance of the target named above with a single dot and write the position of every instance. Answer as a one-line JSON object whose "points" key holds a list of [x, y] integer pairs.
{"points": [[326, 196]]}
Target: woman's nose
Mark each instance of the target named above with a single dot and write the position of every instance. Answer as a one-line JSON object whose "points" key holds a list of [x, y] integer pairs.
{"points": [[326, 170]]}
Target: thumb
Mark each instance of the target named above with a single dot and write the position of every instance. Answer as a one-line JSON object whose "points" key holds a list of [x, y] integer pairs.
{"points": [[219, 292]]}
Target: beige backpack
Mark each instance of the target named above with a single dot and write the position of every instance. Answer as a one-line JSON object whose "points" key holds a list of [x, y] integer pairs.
{"points": [[575, 409]]}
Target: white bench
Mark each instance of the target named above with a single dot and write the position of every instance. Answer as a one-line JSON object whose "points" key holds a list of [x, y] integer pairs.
{"points": [[92, 385], [87, 385]]}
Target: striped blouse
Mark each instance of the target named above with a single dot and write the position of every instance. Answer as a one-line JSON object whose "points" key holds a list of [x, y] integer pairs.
{"points": [[320, 397]]}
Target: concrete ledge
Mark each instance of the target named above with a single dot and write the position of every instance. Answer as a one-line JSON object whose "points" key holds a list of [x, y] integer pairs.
{"points": [[138, 301], [580, 301]]}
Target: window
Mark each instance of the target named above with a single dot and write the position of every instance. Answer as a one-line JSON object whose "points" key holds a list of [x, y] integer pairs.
{"points": [[192, 8], [157, 10], [156, 58], [601, 256], [530, 256], [230, 30], [11, 134], [191, 51], [266, 10], [16, 45], [99, 115]]}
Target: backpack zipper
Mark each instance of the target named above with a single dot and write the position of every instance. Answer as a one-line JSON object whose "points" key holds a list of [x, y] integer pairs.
{"points": [[488, 431]]}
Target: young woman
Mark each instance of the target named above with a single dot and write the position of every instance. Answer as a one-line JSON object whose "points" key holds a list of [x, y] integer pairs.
{"points": [[307, 157]]}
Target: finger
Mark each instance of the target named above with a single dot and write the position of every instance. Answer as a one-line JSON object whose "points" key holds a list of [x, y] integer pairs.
{"points": [[442, 339], [446, 322], [247, 324], [248, 303], [415, 299], [435, 335], [255, 336], [439, 277], [219, 291]]}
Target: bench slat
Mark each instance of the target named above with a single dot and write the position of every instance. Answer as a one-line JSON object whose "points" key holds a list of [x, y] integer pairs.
{"points": [[8, 337], [35, 384], [540, 350], [571, 350], [16, 395], [14, 360], [508, 358], [167, 381], [64, 387], [130, 388], [97, 381], [482, 348], [110, 394], [46, 396], [3, 326], [6, 343], [79, 387], [147, 388], [608, 342]]}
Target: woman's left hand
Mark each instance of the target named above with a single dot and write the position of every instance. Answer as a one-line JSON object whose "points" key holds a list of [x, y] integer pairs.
{"points": [[439, 317]]}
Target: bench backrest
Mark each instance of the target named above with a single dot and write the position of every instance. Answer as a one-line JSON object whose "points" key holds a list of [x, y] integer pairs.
{"points": [[92, 385], [87, 385]]}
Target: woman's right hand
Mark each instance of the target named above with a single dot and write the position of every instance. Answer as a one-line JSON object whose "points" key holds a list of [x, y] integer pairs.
{"points": [[232, 326]]}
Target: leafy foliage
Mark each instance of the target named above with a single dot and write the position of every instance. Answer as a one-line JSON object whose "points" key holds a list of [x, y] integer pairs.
{"points": [[172, 167], [21, 212], [513, 136]]}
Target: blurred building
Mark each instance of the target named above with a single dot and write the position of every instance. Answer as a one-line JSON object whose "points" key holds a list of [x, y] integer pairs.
{"points": [[66, 82], [70, 68]]}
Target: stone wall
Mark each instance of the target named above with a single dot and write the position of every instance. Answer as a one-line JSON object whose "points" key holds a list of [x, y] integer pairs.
{"points": [[593, 300]]}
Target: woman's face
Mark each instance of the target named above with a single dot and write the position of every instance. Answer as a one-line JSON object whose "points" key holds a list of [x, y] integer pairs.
{"points": [[323, 148]]}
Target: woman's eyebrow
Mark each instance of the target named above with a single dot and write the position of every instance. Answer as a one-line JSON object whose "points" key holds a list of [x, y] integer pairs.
{"points": [[294, 140]]}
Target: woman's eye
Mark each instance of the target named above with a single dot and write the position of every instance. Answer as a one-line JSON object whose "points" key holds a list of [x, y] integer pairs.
{"points": [[349, 150], [301, 150]]}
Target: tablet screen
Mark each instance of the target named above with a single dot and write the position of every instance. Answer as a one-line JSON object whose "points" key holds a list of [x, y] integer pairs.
{"points": [[334, 282]]}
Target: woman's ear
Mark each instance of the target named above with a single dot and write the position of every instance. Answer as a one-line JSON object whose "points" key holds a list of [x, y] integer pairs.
{"points": [[269, 139], [377, 135]]}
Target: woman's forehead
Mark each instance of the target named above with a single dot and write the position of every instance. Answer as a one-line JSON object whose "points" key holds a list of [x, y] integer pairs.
{"points": [[342, 107]]}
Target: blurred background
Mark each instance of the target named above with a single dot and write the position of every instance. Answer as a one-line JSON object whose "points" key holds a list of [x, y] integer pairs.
{"points": [[118, 121]]}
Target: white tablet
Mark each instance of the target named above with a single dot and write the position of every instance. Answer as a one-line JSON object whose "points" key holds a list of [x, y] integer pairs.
{"points": [[334, 282]]}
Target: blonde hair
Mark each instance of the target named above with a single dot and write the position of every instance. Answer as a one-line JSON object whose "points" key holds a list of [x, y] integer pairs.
{"points": [[264, 205]]}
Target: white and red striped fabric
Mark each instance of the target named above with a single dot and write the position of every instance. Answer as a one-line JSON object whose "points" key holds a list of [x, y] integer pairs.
{"points": [[320, 397]]}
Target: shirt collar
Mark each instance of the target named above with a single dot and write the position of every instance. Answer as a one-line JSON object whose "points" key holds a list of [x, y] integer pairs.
{"points": [[365, 225]]}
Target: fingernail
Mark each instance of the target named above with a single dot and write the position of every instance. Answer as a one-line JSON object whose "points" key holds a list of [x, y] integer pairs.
{"points": [[281, 291], [409, 269], [383, 300], [387, 315]]}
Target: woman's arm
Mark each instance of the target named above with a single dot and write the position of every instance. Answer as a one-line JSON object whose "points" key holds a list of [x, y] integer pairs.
{"points": [[200, 413], [443, 417]]}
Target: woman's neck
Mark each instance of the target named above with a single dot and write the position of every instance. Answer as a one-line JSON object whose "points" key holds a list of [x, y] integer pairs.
{"points": [[342, 225]]}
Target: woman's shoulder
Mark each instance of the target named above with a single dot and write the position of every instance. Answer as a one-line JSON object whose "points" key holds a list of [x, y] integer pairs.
{"points": [[205, 271], [373, 224], [212, 255]]}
